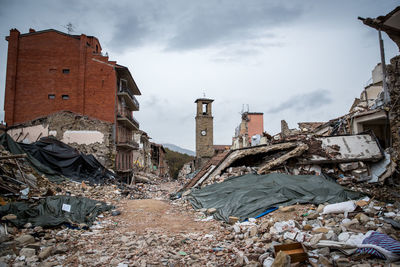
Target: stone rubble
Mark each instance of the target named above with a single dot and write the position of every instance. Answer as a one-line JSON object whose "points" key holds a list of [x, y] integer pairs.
{"points": [[107, 243], [111, 241]]}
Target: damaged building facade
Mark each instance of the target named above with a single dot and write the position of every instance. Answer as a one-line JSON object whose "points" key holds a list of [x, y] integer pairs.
{"points": [[250, 131], [49, 72]]}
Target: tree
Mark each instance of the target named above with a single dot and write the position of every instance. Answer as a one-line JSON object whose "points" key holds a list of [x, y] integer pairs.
{"points": [[176, 161]]}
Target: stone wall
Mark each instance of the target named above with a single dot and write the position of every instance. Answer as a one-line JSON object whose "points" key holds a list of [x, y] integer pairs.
{"points": [[393, 75], [88, 135]]}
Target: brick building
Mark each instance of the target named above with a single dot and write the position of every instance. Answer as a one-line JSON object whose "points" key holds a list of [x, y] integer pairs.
{"points": [[50, 71], [250, 130]]}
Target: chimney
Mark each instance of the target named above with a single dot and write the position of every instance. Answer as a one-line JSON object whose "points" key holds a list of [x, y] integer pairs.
{"points": [[31, 30]]}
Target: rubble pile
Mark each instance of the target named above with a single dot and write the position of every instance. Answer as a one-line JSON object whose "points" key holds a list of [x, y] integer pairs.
{"points": [[348, 159], [18, 178], [253, 242]]}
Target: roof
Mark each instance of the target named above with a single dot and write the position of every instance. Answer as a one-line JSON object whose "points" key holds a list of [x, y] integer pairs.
{"points": [[158, 145], [124, 71], [204, 100], [389, 23], [254, 113], [221, 147], [53, 30]]}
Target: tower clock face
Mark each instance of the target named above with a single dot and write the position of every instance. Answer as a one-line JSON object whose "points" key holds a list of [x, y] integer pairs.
{"points": [[203, 132]]}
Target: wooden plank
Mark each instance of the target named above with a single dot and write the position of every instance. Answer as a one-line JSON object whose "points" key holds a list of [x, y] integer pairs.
{"points": [[279, 161], [17, 156]]}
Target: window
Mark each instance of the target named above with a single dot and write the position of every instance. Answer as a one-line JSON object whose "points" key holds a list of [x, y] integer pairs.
{"points": [[51, 96], [65, 97], [65, 71], [97, 49], [205, 106]]}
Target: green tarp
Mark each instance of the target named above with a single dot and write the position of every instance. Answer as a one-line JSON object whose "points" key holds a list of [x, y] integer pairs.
{"points": [[55, 210], [249, 195]]}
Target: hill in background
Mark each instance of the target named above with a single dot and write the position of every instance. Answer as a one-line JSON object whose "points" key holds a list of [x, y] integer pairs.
{"points": [[176, 161], [179, 149]]}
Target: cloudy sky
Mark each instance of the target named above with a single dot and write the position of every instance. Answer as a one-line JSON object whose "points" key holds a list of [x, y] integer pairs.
{"points": [[292, 60]]}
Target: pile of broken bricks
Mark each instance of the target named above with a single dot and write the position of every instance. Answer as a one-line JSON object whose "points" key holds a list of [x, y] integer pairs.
{"points": [[330, 236]]}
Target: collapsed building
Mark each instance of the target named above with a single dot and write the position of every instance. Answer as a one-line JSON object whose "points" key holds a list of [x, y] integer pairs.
{"points": [[63, 85], [279, 205], [361, 146]]}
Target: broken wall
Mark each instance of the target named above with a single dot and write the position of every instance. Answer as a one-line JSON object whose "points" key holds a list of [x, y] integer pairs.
{"points": [[89, 136], [393, 77]]}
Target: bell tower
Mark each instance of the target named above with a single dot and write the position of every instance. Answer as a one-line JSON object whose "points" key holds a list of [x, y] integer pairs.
{"points": [[204, 130]]}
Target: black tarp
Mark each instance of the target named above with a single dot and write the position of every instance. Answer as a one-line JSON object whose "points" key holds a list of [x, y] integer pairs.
{"points": [[249, 195], [49, 212], [55, 158]]}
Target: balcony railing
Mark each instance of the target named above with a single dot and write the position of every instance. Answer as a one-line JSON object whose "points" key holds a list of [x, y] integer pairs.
{"points": [[125, 114], [128, 143], [130, 99], [126, 139]]}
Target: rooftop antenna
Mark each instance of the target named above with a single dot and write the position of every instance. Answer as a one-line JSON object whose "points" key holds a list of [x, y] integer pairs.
{"points": [[204, 94], [69, 27]]}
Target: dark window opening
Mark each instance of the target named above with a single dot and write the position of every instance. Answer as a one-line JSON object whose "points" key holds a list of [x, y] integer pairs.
{"points": [[65, 97], [205, 109], [65, 71], [51, 96], [97, 49]]}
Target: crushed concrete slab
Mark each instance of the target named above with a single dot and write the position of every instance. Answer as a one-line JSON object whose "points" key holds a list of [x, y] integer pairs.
{"points": [[346, 148]]}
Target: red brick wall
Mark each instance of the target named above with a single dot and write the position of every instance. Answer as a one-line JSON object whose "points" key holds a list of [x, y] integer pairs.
{"points": [[255, 125], [35, 69]]}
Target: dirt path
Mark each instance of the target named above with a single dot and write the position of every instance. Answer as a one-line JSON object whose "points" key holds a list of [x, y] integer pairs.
{"points": [[149, 232], [151, 214]]}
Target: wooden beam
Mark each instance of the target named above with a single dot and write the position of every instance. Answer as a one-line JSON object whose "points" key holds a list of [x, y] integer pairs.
{"points": [[279, 161], [17, 156]]}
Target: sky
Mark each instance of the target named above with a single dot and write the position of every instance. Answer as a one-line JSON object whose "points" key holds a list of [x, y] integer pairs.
{"points": [[293, 60]]}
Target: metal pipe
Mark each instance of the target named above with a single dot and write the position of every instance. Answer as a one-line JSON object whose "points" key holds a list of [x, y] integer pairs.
{"points": [[386, 98]]}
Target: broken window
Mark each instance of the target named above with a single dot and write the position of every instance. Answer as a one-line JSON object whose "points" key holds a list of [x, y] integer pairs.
{"points": [[51, 96], [65, 71], [65, 97]]}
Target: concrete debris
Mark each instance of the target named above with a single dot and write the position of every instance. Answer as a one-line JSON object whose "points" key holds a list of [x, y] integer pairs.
{"points": [[154, 232], [348, 159], [349, 148]]}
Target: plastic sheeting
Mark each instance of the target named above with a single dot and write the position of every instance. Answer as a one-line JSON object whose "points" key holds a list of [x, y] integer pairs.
{"points": [[8, 143], [250, 195], [54, 158], [55, 210]]}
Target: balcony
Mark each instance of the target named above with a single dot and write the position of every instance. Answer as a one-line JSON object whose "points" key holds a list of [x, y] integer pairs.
{"points": [[124, 116], [128, 144], [129, 98]]}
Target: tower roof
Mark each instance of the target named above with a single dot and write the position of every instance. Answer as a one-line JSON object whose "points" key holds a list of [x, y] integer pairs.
{"points": [[204, 100]]}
